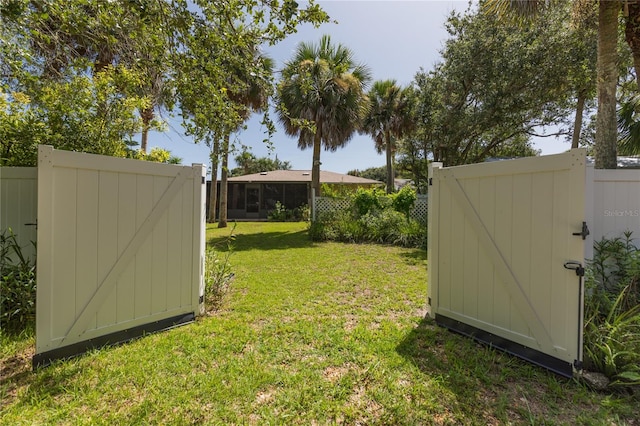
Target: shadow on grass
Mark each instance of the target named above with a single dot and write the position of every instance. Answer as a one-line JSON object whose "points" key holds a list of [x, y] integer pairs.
{"points": [[453, 361], [423, 347], [415, 256], [264, 241]]}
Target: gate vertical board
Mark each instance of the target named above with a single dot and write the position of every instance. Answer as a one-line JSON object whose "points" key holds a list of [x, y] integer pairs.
{"points": [[499, 236], [120, 250]]}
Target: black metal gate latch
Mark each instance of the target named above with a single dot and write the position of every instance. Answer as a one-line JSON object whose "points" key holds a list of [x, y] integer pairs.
{"points": [[575, 266], [584, 232]]}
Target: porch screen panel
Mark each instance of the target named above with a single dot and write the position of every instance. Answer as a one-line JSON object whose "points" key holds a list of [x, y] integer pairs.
{"points": [[295, 195], [272, 193], [236, 196]]}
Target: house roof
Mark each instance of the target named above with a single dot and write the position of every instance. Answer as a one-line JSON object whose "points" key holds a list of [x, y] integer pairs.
{"points": [[283, 176]]}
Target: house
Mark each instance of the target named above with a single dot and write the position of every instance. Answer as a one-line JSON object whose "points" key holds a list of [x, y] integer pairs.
{"points": [[253, 196]]}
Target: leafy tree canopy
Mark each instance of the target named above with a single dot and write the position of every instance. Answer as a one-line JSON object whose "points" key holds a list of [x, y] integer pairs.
{"points": [[87, 74], [375, 173], [248, 163], [498, 83]]}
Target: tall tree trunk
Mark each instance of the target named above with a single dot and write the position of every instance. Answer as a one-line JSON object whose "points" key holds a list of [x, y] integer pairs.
{"points": [[606, 121], [390, 181], [315, 168], [146, 115], [632, 34], [224, 175], [577, 125], [213, 191]]}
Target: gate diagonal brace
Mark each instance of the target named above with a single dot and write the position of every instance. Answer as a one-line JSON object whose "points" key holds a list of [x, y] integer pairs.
{"points": [[503, 269]]}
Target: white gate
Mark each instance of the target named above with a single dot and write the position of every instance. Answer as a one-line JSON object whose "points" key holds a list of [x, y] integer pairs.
{"points": [[120, 250], [501, 237]]}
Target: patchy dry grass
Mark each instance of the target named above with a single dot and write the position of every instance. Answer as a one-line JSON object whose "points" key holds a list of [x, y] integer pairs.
{"points": [[310, 333]]}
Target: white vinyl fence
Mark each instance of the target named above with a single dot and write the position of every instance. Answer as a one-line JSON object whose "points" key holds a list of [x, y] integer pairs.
{"points": [[19, 205], [613, 205], [120, 247]]}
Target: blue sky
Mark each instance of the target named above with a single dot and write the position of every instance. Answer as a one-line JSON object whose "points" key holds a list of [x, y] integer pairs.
{"points": [[394, 38]]}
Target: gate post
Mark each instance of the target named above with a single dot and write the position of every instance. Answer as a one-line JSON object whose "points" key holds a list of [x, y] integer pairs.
{"points": [[199, 232], [432, 240]]}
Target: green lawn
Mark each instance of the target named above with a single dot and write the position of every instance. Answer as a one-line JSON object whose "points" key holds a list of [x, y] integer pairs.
{"points": [[310, 333]]}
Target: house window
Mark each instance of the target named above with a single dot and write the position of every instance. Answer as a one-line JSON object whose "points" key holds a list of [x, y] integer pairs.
{"points": [[295, 195], [272, 193]]}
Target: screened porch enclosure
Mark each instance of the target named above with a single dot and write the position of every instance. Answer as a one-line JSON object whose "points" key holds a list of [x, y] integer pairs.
{"points": [[256, 200]]}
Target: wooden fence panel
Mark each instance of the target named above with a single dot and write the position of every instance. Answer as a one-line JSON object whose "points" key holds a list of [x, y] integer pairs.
{"points": [[120, 250]]}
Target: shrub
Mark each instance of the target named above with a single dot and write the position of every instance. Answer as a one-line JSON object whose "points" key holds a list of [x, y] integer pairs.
{"points": [[17, 285], [217, 275], [379, 223], [281, 214], [366, 200], [404, 200], [612, 312], [302, 213]]}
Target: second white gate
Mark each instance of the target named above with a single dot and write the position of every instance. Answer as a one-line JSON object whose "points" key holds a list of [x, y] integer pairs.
{"points": [[505, 252]]}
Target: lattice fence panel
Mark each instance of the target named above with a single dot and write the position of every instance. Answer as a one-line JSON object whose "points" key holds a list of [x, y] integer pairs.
{"points": [[326, 204], [419, 211]]}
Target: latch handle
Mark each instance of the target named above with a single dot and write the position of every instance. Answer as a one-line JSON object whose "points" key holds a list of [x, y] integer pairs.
{"points": [[584, 232], [575, 266]]}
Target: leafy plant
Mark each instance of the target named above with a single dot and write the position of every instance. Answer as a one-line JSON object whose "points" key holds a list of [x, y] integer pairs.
{"points": [[404, 200], [17, 285], [373, 217], [218, 275], [282, 214], [612, 312], [366, 200], [279, 213]]}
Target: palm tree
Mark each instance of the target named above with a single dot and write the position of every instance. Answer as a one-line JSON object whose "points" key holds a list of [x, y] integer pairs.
{"points": [[321, 98], [387, 120], [607, 75]]}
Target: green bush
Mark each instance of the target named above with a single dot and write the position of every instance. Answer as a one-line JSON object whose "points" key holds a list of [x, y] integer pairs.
{"points": [[404, 200], [281, 214], [367, 200], [372, 217], [17, 286], [612, 312], [217, 275]]}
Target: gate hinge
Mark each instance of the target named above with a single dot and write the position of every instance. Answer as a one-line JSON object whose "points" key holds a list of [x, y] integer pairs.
{"points": [[584, 232], [203, 180], [575, 266], [430, 181], [201, 299]]}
